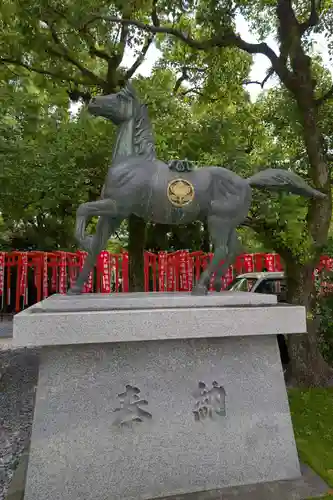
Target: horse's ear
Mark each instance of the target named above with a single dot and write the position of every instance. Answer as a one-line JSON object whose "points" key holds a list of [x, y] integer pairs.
{"points": [[129, 89]]}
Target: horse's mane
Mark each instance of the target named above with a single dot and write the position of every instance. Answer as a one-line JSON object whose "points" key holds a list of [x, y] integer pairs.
{"points": [[143, 140]]}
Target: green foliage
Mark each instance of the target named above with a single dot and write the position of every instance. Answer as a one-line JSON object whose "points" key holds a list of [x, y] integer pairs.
{"points": [[197, 100], [69, 42], [49, 165], [311, 413], [282, 145], [239, 134]]}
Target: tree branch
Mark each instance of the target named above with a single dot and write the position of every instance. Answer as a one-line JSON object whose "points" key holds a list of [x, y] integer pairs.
{"points": [[12, 71], [148, 42], [65, 54], [185, 76], [229, 39], [75, 95], [195, 68], [154, 15], [115, 61], [137, 63], [192, 91], [252, 82], [256, 82], [181, 79], [58, 75], [85, 33], [325, 97], [313, 19], [270, 73], [93, 51], [122, 44], [198, 93]]}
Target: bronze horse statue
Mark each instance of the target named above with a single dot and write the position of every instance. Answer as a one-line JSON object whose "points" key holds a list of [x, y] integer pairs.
{"points": [[139, 183]]}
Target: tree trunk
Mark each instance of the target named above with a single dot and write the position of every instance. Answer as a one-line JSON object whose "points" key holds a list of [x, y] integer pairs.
{"points": [[136, 247], [157, 238], [307, 367]]}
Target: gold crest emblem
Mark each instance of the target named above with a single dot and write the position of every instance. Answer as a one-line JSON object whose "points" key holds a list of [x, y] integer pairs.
{"points": [[180, 192]]}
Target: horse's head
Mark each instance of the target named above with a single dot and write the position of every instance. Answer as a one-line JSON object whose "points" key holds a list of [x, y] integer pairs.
{"points": [[118, 107]]}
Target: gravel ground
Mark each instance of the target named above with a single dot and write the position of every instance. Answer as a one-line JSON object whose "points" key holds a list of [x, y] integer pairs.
{"points": [[6, 328], [18, 379]]}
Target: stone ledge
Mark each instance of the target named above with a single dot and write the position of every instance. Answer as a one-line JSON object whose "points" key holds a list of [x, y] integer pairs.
{"points": [[87, 327], [309, 485], [16, 488], [149, 300]]}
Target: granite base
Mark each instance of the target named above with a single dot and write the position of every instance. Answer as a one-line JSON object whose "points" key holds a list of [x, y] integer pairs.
{"points": [[160, 417], [82, 448]]}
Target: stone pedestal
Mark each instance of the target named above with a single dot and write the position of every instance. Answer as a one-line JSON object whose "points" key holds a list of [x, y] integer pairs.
{"points": [[143, 396]]}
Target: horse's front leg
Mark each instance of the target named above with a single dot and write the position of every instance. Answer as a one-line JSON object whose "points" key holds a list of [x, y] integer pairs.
{"points": [[105, 227], [87, 210], [80, 225]]}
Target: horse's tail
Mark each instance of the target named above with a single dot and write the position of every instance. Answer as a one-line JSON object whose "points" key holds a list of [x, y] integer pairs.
{"points": [[276, 179]]}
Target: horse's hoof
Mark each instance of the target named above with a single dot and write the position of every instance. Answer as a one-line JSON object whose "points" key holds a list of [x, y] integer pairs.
{"points": [[74, 291], [199, 290]]}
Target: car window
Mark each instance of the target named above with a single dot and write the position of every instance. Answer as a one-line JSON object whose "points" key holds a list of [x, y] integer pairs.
{"points": [[242, 284], [272, 286]]}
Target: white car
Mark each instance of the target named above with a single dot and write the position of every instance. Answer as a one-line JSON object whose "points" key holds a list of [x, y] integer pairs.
{"points": [[265, 282]]}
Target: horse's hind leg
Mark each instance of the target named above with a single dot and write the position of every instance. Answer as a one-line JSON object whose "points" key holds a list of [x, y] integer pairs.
{"points": [[224, 238], [234, 249], [105, 227]]}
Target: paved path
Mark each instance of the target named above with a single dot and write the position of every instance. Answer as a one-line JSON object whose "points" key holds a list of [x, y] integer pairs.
{"points": [[6, 329]]}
